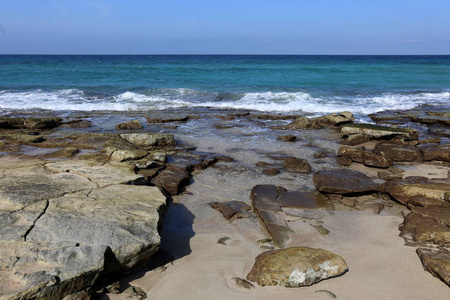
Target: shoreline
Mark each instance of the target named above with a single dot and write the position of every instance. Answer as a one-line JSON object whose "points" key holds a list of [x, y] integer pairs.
{"points": [[191, 228]]}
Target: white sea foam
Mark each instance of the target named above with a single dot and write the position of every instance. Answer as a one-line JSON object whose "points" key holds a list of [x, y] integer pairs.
{"points": [[73, 99]]}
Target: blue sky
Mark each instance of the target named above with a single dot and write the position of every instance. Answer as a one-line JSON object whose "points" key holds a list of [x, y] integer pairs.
{"points": [[224, 27]]}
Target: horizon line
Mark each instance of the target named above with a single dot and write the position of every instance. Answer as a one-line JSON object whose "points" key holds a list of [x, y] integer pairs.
{"points": [[221, 54]]}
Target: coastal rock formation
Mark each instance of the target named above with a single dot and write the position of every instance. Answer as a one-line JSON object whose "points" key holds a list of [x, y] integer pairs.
{"points": [[419, 191], [334, 120], [344, 181], [399, 152], [379, 132], [265, 204], [149, 140], [30, 123], [65, 223], [437, 262], [365, 157], [296, 267], [134, 124]]}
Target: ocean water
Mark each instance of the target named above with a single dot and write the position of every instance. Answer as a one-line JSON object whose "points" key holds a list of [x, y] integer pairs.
{"points": [[269, 83]]}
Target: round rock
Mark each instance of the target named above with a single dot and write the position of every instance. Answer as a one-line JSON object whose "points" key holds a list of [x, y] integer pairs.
{"points": [[296, 267]]}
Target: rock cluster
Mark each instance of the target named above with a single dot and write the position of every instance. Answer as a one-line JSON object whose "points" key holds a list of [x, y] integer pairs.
{"points": [[66, 223]]}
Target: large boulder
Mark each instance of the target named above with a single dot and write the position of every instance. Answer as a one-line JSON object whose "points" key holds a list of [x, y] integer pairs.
{"points": [[344, 181], [296, 267], [63, 226]]}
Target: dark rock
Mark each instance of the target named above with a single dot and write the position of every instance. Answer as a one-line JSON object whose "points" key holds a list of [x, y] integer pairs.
{"points": [[264, 197], [437, 262], [364, 157], [343, 181], [398, 152], [30, 123], [230, 209], [355, 139], [271, 171], [173, 180], [344, 161], [168, 120], [264, 164], [296, 165], [267, 208], [300, 199], [295, 267], [320, 154], [134, 124], [243, 283], [435, 152], [287, 138]]}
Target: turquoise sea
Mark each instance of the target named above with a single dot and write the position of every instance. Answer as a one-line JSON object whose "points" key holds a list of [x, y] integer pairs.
{"points": [[270, 83]]}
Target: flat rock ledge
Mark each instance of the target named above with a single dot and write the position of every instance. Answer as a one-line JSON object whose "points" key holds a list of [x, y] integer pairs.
{"points": [[296, 267], [64, 224]]}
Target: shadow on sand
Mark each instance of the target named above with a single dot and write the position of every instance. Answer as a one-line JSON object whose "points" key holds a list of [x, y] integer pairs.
{"points": [[176, 233]]}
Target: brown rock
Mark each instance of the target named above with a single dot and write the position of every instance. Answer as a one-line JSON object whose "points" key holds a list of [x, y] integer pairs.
{"points": [[419, 191], [287, 138], [230, 209], [134, 124], [420, 230], [265, 204], [344, 161], [399, 153], [300, 199], [296, 165], [168, 120], [364, 157], [271, 171], [295, 267], [436, 152], [343, 181], [264, 197], [437, 262], [172, 180], [356, 139]]}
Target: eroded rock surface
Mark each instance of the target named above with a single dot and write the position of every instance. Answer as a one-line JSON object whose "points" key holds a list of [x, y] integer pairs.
{"points": [[344, 181], [65, 223], [437, 262], [296, 267]]}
